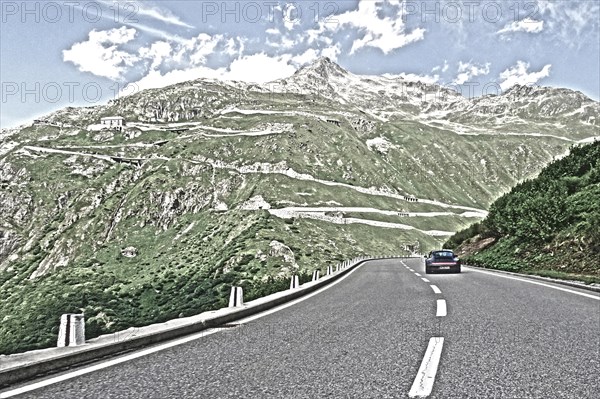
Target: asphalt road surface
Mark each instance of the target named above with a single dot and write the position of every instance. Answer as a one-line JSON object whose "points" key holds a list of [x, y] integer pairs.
{"points": [[387, 330]]}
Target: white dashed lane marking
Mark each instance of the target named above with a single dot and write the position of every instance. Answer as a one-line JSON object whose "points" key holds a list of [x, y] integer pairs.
{"points": [[435, 289], [441, 308], [425, 378]]}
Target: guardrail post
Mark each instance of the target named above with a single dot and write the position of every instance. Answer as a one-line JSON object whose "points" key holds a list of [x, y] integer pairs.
{"points": [[236, 298], [315, 275], [329, 270], [295, 283], [71, 331], [337, 267]]}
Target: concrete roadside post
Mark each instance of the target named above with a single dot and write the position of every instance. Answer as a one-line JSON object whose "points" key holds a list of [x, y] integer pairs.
{"points": [[236, 298], [295, 283], [71, 331], [315, 275]]}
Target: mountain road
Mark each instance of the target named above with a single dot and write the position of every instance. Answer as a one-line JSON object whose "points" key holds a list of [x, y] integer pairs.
{"points": [[386, 330]]}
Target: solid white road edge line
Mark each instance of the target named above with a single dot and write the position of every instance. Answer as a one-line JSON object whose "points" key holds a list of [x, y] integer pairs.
{"points": [[435, 289], [597, 297], [424, 279], [179, 341], [410, 269], [441, 308], [425, 378]]}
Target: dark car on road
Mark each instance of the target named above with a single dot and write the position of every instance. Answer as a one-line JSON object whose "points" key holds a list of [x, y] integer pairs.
{"points": [[444, 260]]}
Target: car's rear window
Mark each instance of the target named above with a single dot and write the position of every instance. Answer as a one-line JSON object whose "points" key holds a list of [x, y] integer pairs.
{"points": [[443, 254]]}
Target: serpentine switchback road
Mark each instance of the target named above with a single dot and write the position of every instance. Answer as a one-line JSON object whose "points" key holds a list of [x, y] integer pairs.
{"points": [[386, 330]]}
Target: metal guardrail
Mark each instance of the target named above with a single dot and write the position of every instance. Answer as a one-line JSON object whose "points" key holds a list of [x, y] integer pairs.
{"points": [[48, 361]]}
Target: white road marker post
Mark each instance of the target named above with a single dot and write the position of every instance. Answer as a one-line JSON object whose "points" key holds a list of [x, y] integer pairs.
{"points": [[71, 331], [236, 298], [315, 275], [295, 282]]}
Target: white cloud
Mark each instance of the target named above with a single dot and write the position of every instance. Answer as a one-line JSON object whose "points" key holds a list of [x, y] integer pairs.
{"points": [[194, 52], [571, 22], [519, 74], [161, 14], [260, 68], [308, 56], [144, 9], [386, 33], [468, 70], [256, 68], [291, 15], [157, 53], [525, 25], [235, 46], [158, 33], [331, 52], [312, 54], [442, 68], [282, 42], [283, 39], [413, 77], [100, 54]]}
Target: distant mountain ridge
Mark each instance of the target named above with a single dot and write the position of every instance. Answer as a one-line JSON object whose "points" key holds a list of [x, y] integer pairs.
{"points": [[385, 93], [384, 96]]}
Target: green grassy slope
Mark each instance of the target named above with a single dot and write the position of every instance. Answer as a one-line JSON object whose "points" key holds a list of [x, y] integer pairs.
{"points": [[547, 225]]}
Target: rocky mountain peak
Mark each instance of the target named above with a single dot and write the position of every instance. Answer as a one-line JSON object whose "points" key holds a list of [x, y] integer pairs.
{"points": [[322, 67], [531, 91]]}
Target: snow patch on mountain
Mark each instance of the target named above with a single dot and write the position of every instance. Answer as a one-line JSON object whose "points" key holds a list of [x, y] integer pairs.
{"points": [[255, 203], [380, 144], [279, 249]]}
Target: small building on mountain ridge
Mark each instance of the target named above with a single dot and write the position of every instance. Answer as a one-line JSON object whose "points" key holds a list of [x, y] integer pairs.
{"points": [[114, 122]]}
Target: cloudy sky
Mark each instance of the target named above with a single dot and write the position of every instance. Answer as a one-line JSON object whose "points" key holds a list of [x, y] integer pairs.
{"points": [[75, 53]]}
